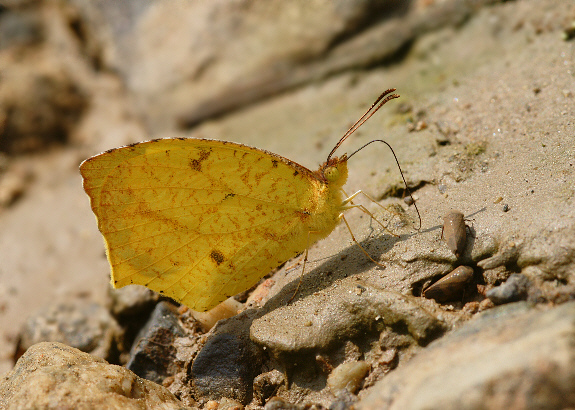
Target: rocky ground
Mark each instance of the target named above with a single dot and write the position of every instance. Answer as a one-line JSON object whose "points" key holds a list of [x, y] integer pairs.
{"points": [[484, 126]]}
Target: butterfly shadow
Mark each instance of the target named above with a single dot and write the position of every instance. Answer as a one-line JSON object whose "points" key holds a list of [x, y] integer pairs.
{"points": [[348, 262]]}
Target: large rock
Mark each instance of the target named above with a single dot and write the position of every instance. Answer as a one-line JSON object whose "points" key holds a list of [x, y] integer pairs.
{"points": [[346, 311], [508, 357], [56, 376], [219, 56]]}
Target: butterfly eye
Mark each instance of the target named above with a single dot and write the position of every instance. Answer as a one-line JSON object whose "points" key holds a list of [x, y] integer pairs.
{"points": [[331, 174]]}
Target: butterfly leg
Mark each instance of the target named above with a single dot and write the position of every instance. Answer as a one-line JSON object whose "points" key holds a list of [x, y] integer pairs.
{"points": [[352, 237], [349, 200], [302, 271], [294, 265], [357, 243]]}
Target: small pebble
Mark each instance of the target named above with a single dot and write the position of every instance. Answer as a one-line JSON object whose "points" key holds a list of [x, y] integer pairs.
{"points": [[505, 208], [211, 405], [514, 289], [485, 304], [348, 376], [229, 404], [277, 403], [228, 308], [266, 385], [471, 307], [149, 357]]}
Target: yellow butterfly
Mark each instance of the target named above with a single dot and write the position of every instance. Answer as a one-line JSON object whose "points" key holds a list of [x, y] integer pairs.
{"points": [[201, 220]]}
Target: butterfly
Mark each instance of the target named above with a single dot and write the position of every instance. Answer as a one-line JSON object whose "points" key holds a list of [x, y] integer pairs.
{"points": [[201, 220]]}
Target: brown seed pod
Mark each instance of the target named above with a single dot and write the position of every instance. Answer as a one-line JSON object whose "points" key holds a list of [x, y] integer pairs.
{"points": [[455, 232], [451, 286]]}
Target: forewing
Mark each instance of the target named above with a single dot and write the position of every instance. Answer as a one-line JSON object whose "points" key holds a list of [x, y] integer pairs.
{"points": [[197, 220]]}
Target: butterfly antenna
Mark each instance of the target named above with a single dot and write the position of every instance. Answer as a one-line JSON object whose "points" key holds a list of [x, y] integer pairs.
{"points": [[382, 99], [400, 171]]}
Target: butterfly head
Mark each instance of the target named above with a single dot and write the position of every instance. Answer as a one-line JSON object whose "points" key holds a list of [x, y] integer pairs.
{"points": [[334, 171]]}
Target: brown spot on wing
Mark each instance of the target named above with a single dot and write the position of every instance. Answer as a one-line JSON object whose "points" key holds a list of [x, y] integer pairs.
{"points": [[217, 256], [196, 164], [204, 154]]}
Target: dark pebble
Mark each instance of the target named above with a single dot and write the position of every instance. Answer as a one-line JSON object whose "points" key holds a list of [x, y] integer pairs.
{"points": [[153, 353]]}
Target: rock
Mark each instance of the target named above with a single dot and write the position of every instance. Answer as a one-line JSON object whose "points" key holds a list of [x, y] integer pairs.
{"points": [[267, 384], [153, 353], [507, 253], [222, 369], [228, 308], [130, 301], [348, 376], [39, 105], [344, 400], [84, 325], [277, 403], [132, 307], [512, 93], [228, 362], [19, 28], [53, 375], [197, 51], [229, 404], [193, 72], [514, 289], [506, 357], [341, 312], [14, 183], [549, 253]]}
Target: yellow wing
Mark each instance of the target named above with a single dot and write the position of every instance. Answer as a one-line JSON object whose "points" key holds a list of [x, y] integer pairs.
{"points": [[201, 220]]}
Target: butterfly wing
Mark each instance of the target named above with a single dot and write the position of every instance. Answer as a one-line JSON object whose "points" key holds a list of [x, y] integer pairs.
{"points": [[197, 220]]}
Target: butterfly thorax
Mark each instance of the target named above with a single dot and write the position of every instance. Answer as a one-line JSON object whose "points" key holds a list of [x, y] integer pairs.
{"points": [[327, 199]]}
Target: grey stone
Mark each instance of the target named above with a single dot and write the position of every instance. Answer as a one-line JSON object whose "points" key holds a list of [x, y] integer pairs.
{"points": [[515, 288], [131, 301], [84, 325]]}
